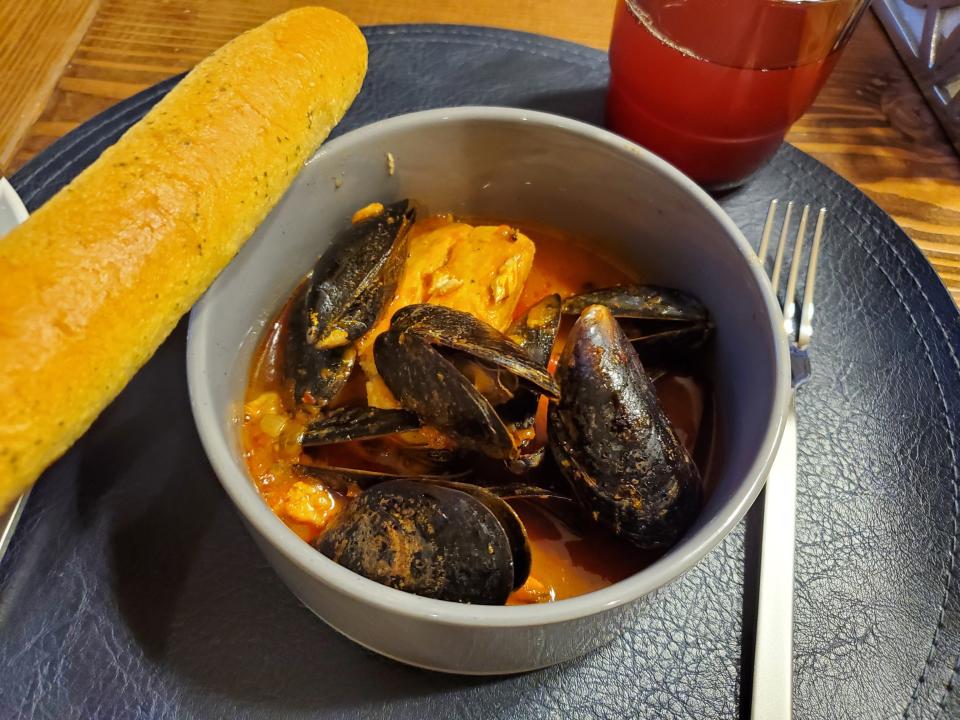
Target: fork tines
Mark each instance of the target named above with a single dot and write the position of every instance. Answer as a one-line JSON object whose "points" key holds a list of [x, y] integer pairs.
{"points": [[800, 336]]}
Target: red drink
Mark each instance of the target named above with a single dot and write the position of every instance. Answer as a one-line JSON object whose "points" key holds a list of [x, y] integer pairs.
{"points": [[714, 85]]}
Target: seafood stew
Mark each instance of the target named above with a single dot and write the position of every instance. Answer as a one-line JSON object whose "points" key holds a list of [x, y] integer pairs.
{"points": [[480, 414]]}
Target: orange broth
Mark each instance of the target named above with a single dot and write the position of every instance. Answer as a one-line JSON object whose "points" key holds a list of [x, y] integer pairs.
{"points": [[570, 557]]}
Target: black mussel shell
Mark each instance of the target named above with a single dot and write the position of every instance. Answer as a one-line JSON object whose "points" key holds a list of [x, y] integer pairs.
{"points": [[613, 443], [509, 520], [648, 302], [353, 280], [536, 330], [460, 331], [431, 383], [345, 480], [428, 384], [426, 539], [321, 373], [356, 423], [344, 295], [667, 327]]}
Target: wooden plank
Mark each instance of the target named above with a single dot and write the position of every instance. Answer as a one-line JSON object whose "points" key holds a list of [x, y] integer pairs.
{"points": [[38, 39], [132, 44], [871, 125]]}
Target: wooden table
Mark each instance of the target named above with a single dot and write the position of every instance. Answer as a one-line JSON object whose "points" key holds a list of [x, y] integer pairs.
{"points": [[62, 61]]}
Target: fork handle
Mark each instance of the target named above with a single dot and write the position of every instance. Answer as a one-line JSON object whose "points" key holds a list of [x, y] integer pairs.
{"points": [[773, 658]]}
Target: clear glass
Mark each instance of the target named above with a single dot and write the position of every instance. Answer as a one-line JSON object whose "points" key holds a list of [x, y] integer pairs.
{"points": [[714, 85]]}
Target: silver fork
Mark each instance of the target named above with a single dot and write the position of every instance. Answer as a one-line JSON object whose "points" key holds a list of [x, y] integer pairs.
{"points": [[773, 657]]}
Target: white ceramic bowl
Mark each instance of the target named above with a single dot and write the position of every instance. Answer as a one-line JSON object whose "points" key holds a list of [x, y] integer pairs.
{"points": [[512, 165]]}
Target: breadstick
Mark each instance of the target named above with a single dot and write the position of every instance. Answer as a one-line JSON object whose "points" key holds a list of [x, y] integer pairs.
{"points": [[96, 279]]}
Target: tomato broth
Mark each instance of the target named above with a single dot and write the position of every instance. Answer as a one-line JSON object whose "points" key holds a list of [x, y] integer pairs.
{"points": [[570, 556]]}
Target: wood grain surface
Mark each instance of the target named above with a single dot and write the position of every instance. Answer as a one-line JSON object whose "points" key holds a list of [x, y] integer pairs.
{"points": [[63, 61], [36, 43]]}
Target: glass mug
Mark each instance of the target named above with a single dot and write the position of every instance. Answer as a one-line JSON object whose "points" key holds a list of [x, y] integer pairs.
{"points": [[713, 86]]}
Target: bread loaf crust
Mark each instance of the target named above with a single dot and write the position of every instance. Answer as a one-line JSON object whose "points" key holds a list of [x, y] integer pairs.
{"points": [[96, 279]]}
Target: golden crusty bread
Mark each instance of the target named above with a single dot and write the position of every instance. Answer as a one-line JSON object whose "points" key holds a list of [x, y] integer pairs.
{"points": [[96, 279]]}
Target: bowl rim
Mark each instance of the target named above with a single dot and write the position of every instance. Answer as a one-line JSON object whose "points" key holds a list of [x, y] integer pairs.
{"points": [[683, 556]]}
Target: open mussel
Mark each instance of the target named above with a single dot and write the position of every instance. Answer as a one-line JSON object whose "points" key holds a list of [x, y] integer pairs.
{"points": [[444, 541], [344, 295], [620, 455], [357, 423], [430, 359], [661, 323], [368, 429], [352, 280], [536, 330], [317, 375], [351, 481]]}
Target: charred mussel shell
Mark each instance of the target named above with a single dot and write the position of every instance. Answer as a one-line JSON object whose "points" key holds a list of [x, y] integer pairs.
{"points": [[350, 481], [662, 323], [429, 383], [431, 539], [536, 332], [319, 373], [357, 423], [352, 281], [344, 295], [616, 448], [371, 426], [641, 302]]}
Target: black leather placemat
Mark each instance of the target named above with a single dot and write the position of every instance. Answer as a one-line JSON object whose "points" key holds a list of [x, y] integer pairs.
{"points": [[132, 589]]}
